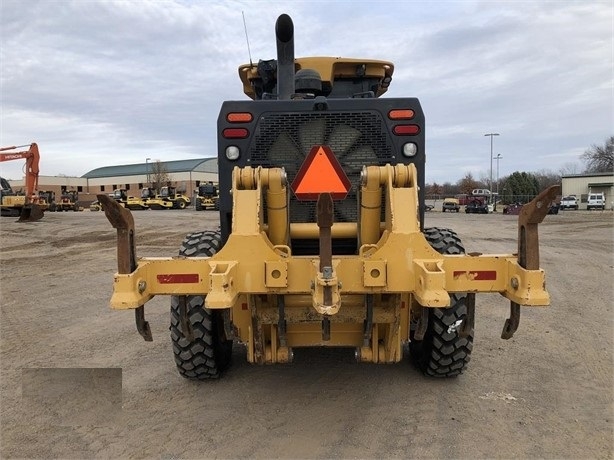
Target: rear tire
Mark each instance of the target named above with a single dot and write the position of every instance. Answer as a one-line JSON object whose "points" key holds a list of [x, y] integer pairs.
{"points": [[444, 241], [443, 352], [210, 353]]}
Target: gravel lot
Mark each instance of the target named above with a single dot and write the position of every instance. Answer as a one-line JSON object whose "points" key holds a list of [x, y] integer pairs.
{"points": [[546, 393]]}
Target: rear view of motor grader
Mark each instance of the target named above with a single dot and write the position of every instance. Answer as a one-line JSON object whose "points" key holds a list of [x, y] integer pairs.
{"points": [[322, 240]]}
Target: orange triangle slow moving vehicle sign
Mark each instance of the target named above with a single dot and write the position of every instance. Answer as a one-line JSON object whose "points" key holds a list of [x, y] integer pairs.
{"points": [[321, 173]]}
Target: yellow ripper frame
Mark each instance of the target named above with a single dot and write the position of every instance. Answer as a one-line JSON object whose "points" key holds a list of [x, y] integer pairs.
{"points": [[395, 265]]}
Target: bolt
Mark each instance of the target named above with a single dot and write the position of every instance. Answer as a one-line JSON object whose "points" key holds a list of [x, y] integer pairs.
{"points": [[142, 286], [514, 282]]}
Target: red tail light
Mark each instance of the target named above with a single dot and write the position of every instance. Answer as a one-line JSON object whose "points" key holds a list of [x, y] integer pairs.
{"points": [[406, 130], [235, 133]]}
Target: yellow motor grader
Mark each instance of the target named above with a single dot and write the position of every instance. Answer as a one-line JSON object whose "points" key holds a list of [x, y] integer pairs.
{"points": [[322, 240]]}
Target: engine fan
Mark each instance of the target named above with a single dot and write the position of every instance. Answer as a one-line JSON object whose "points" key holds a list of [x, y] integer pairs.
{"points": [[351, 148]]}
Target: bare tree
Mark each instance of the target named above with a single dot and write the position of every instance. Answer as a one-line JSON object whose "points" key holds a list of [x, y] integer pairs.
{"points": [[467, 184], [600, 158], [159, 176], [449, 189], [546, 178], [569, 168], [435, 189]]}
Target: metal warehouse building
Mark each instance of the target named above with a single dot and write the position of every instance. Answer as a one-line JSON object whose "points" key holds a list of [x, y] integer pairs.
{"points": [[186, 175], [581, 185]]}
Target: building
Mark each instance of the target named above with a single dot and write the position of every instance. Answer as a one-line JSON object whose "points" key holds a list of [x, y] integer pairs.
{"points": [[581, 185], [186, 175]]}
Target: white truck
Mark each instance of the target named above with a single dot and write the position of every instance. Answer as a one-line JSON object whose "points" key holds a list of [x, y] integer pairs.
{"points": [[595, 201], [569, 202]]}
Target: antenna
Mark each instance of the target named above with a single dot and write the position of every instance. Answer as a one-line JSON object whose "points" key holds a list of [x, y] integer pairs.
{"points": [[251, 64]]}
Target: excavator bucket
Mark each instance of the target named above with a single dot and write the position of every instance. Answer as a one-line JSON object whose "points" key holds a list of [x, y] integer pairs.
{"points": [[30, 213]]}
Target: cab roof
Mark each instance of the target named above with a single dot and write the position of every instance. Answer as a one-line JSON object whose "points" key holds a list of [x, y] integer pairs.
{"points": [[331, 69]]}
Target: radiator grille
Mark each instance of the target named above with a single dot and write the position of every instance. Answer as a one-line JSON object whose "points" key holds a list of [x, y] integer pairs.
{"points": [[356, 138]]}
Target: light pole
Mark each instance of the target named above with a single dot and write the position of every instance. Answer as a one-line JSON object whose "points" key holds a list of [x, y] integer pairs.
{"points": [[491, 136], [498, 157], [147, 169]]}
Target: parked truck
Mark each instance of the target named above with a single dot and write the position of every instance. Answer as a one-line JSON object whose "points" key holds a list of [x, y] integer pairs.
{"points": [[595, 201], [322, 240], [569, 202], [450, 204]]}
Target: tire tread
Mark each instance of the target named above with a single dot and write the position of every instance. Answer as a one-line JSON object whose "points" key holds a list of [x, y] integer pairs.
{"points": [[443, 352], [208, 355]]}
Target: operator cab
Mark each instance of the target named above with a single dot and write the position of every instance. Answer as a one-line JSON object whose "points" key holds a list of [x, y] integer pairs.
{"points": [[331, 77], [6, 189]]}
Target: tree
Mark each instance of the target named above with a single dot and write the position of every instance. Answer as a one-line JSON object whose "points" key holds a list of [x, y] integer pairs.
{"points": [[520, 187], [600, 158], [449, 189], [159, 176], [467, 184], [569, 168], [547, 178], [435, 189]]}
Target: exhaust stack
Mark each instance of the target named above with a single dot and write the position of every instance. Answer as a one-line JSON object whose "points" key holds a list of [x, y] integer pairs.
{"points": [[284, 33]]}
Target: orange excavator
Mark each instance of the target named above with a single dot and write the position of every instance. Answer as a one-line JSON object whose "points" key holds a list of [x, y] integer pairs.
{"points": [[27, 207]]}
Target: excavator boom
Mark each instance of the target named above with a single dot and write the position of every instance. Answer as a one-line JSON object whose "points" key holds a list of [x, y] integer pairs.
{"points": [[30, 211]]}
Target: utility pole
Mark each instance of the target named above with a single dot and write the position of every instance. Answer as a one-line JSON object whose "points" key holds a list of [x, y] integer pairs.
{"points": [[498, 157], [147, 169], [491, 136]]}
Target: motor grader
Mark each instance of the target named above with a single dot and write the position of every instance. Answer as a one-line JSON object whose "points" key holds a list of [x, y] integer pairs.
{"points": [[322, 240]]}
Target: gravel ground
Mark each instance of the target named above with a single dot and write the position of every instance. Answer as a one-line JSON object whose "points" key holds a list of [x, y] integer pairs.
{"points": [[77, 381]]}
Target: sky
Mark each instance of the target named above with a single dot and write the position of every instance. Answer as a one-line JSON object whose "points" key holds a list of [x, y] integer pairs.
{"points": [[102, 83]]}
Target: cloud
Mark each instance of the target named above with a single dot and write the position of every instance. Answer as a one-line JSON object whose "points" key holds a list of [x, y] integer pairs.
{"points": [[100, 83]]}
